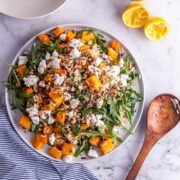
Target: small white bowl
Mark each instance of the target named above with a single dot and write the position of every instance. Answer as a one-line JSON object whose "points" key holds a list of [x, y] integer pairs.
{"points": [[30, 9]]}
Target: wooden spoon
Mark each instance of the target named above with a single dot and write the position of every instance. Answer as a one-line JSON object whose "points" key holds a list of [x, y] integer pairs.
{"points": [[163, 115]]}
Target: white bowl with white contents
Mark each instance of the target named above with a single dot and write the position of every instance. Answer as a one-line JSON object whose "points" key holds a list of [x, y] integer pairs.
{"points": [[30, 9], [27, 136]]}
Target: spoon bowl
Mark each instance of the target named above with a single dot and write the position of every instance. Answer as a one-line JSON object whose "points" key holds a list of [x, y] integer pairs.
{"points": [[163, 115]]}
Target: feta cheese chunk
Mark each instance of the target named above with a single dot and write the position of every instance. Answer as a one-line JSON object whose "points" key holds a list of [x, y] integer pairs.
{"points": [[42, 67], [35, 119], [42, 84], [114, 71], [76, 43], [67, 96], [93, 153], [74, 103], [68, 158], [51, 120], [55, 54], [52, 139], [121, 63], [31, 80], [55, 63], [62, 37], [75, 53], [44, 115], [124, 78], [22, 60], [70, 114], [33, 110], [98, 61], [94, 70], [48, 56], [58, 80]]}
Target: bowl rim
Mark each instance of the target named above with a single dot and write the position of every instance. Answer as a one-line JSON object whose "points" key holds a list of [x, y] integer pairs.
{"points": [[37, 17], [140, 109]]}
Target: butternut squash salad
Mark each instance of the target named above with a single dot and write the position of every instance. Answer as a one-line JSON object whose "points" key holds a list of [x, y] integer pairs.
{"points": [[76, 92]]}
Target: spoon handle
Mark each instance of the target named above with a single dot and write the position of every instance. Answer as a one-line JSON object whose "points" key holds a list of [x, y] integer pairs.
{"points": [[149, 141]]}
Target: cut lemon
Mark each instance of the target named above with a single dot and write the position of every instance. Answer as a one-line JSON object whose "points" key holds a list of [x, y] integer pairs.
{"points": [[156, 29], [135, 16]]}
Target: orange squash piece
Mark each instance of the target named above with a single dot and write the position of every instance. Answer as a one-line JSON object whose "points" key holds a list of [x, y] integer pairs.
{"points": [[21, 70], [48, 78], [106, 145], [95, 141], [112, 53], [71, 34], [84, 47], [37, 144], [25, 122], [67, 149], [60, 117], [94, 83], [56, 95], [47, 130], [62, 45], [42, 138], [29, 90], [115, 45], [84, 126], [55, 152], [44, 38], [58, 31], [88, 36]]}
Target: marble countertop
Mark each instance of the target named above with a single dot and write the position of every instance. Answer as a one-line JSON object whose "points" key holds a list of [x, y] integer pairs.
{"points": [[159, 63]]}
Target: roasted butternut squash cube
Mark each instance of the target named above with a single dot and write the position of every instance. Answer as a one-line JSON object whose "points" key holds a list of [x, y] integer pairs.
{"points": [[37, 144], [84, 126], [47, 130], [28, 90], [84, 47], [48, 78], [68, 149], [55, 152], [21, 70], [112, 53], [42, 138], [71, 34], [44, 38], [88, 36], [58, 31], [94, 83], [106, 145], [60, 117], [115, 45], [95, 141], [25, 122]]}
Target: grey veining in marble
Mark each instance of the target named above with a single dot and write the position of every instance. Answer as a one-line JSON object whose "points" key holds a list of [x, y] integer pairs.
{"points": [[159, 62]]}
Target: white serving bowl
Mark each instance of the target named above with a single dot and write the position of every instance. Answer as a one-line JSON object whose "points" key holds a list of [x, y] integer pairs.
{"points": [[15, 114], [30, 9]]}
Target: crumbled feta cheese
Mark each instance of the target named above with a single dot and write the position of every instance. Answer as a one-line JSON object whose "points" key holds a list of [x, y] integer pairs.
{"points": [[93, 119], [121, 63], [42, 67], [54, 54], [76, 43], [52, 139], [114, 71], [35, 119], [31, 80], [48, 56], [74, 103], [105, 56], [94, 70], [68, 158], [94, 51], [58, 80], [62, 37], [67, 96], [71, 114], [75, 53], [93, 153], [42, 84], [114, 81], [35, 98], [44, 115], [98, 61], [55, 63], [51, 120], [33, 110], [73, 89], [22, 60], [124, 78], [99, 103]]}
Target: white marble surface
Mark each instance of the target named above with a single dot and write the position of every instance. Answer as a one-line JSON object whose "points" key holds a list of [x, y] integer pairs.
{"points": [[159, 62]]}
